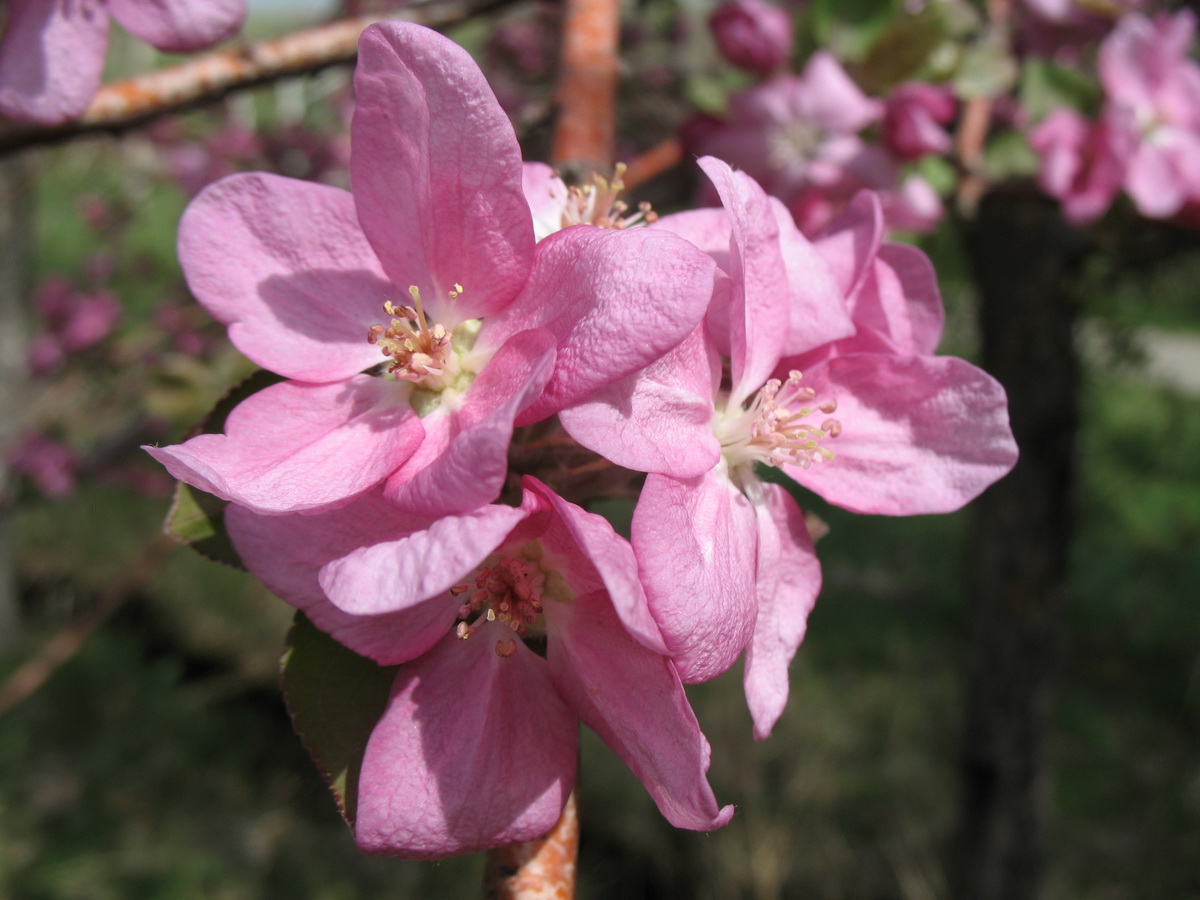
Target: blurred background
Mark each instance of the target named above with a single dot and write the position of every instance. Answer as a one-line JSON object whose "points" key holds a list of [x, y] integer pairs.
{"points": [[147, 753]]}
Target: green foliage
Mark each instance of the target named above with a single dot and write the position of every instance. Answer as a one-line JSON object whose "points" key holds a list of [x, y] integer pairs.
{"points": [[335, 697], [198, 520], [985, 70], [1046, 86]]}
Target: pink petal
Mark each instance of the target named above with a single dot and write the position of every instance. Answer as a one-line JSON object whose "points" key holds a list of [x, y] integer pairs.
{"points": [[586, 545], [475, 751], [759, 300], [287, 553], [851, 242], [385, 572], [817, 310], [921, 434], [907, 279], [695, 544], [546, 195], [659, 419], [295, 447], [284, 264], [615, 300], [180, 26], [631, 697], [471, 460], [52, 58], [1153, 183], [833, 99], [789, 579], [436, 172]]}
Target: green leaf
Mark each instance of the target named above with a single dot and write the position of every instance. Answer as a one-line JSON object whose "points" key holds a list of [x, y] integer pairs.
{"points": [[986, 70], [903, 50], [335, 697], [1046, 86], [198, 519]]}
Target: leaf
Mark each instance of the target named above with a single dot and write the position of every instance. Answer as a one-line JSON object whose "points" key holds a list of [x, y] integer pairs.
{"points": [[335, 697], [1046, 87], [903, 50], [986, 70], [198, 519]]}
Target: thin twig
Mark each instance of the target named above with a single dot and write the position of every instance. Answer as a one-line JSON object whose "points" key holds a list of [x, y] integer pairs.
{"points": [[35, 672], [654, 162], [537, 870], [585, 132], [122, 105]]}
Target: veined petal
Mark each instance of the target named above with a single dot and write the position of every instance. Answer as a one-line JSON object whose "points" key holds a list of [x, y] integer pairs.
{"points": [[615, 301], [789, 579], [284, 264], [180, 26], [851, 242], [287, 553], [695, 543], [475, 751], [632, 698], [52, 58], [436, 171], [922, 434], [383, 574], [295, 447], [658, 419], [471, 463], [546, 195]]}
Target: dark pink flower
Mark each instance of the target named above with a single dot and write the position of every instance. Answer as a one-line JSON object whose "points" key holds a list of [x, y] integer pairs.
{"points": [[50, 464], [415, 318], [752, 34], [52, 56], [1080, 166], [914, 119], [510, 625]]}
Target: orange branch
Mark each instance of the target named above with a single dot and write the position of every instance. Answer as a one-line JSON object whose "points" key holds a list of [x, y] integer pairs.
{"points": [[537, 870], [122, 105], [649, 165], [585, 133]]}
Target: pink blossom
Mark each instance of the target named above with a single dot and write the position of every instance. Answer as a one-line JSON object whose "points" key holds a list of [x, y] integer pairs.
{"points": [[52, 56], [50, 464], [430, 270], [510, 625], [752, 34], [914, 120], [73, 320], [1153, 109], [875, 423], [1079, 167]]}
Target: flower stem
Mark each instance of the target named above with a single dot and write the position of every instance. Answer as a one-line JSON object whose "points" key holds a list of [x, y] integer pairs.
{"points": [[543, 869]]}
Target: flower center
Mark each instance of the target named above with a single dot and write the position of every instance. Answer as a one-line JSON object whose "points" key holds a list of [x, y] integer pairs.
{"points": [[420, 353], [772, 429], [597, 204], [793, 141], [510, 591]]}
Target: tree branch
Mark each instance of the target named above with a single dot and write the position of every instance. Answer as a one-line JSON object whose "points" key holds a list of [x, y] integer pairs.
{"points": [[585, 134], [122, 105]]}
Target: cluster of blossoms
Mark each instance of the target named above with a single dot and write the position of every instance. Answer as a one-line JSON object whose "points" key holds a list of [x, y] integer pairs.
{"points": [[1146, 140], [457, 295], [804, 137], [52, 55]]}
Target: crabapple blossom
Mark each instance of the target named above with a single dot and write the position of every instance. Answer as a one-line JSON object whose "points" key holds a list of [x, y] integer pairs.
{"points": [[415, 318], [52, 55], [752, 34], [847, 400], [509, 625]]}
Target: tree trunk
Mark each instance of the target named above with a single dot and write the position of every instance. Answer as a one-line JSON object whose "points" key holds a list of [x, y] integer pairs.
{"points": [[1024, 259]]}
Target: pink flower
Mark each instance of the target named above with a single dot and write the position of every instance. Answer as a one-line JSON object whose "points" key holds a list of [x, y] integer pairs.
{"points": [[752, 34], [52, 56], [511, 625], [1080, 166], [914, 117], [50, 464], [725, 558], [430, 271], [1153, 109]]}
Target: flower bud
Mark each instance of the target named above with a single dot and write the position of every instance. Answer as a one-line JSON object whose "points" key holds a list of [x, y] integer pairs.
{"points": [[752, 35]]}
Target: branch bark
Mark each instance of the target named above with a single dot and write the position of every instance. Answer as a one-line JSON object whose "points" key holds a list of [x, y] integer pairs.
{"points": [[585, 132], [123, 105], [537, 870]]}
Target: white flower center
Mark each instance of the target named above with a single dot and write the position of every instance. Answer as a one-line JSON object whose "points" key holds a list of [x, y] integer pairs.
{"points": [[774, 429]]}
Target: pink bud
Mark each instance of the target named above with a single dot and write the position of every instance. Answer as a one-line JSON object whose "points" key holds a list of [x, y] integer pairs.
{"points": [[752, 35], [913, 120]]}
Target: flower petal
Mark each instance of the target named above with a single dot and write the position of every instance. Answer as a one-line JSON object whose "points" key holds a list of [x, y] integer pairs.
{"points": [[615, 300], [436, 171], [695, 544], [632, 698], [475, 751], [52, 58], [284, 264], [180, 26], [295, 447], [921, 434], [287, 553], [789, 579]]}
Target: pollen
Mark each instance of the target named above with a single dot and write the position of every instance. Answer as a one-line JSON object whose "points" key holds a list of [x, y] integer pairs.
{"points": [[420, 353], [509, 593], [776, 427], [598, 203]]}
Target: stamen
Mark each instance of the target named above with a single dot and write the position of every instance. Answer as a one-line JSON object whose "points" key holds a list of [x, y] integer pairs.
{"points": [[597, 204], [510, 593], [769, 430], [420, 353]]}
